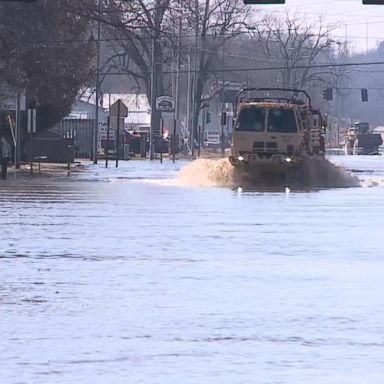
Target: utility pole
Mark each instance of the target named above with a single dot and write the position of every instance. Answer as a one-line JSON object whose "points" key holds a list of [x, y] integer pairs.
{"points": [[153, 101], [154, 89], [97, 91], [223, 109], [189, 92], [177, 92], [194, 104], [178, 64]]}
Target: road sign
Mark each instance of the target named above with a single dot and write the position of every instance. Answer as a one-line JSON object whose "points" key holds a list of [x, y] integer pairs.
{"points": [[165, 104], [31, 127], [118, 108], [117, 112]]}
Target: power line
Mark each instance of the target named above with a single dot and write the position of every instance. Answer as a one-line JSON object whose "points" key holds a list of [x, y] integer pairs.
{"points": [[318, 66]]}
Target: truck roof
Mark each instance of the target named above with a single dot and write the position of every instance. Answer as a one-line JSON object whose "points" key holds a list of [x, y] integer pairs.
{"points": [[267, 104]]}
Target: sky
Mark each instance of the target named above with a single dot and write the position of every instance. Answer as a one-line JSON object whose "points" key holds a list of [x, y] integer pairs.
{"points": [[362, 24]]}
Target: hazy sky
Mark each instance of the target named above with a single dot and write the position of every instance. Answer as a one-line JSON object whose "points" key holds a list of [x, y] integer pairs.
{"points": [[362, 24]]}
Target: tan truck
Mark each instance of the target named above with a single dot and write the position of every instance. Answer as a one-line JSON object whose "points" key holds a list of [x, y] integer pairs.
{"points": [[275, 130]]}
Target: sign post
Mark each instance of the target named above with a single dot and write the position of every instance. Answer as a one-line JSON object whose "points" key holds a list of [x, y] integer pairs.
{"points": [[31, 129], [173, 141], [223, 124], [107, 148], [118, 111]]}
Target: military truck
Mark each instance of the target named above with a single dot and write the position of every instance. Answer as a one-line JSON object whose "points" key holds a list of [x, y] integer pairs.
{"points": [[360, 140], [275, 130]]}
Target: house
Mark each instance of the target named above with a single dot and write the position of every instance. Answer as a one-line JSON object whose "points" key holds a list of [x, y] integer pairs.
{"points": [[83, 109], [79, 126]]}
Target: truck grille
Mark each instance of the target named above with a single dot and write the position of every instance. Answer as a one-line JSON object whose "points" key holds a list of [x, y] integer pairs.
{"points": [[262, 146], [271, 146]]}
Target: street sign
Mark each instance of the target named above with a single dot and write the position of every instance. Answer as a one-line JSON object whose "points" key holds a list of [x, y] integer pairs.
{"points": [[31, 127], [118, 108], [165, 104], [10, 103]]}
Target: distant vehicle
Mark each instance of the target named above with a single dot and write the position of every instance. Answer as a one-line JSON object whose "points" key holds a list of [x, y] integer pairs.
{"points": [[360, 140], [272, 134], [212, 139]]}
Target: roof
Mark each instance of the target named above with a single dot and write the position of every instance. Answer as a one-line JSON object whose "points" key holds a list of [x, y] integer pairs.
{"points": [[134, 102], [139, 110]]}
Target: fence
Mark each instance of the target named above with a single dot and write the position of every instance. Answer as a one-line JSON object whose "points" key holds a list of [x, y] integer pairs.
{"points": [[81, 131]]}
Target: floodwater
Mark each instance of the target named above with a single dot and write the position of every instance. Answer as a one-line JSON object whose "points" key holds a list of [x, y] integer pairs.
{"points": [[141, 275]]}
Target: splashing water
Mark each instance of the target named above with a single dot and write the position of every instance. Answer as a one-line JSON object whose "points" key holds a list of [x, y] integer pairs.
{"points": [[208, 173], [313, 173], [372, 182], [321, 173]]}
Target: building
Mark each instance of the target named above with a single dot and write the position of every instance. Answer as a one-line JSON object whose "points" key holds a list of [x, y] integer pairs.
{"points": [[139, 110]]}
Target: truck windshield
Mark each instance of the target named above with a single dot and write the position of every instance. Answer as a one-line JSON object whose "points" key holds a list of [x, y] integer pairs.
{"points": [[251, 119], [281, 121]]}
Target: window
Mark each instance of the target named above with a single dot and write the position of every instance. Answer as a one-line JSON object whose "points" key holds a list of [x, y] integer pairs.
{"points": [[281, 121], [251, 119]]}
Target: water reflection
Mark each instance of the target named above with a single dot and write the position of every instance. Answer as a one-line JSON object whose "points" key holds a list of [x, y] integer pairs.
{"points": [[149, 280]]}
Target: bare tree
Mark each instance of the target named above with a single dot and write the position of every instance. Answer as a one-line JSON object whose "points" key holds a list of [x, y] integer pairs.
{"points": [[144, 36], [136, 33], [290, 43], [213, 23]]}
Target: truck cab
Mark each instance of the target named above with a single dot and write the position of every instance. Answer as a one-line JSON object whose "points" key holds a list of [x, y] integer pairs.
{"points": [[275, 131]]}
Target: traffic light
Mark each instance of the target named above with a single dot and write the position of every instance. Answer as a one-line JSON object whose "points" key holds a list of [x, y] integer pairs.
{"points": [[223, 118], [264, 2], [364, 94], [328, 94], [373, 2]]}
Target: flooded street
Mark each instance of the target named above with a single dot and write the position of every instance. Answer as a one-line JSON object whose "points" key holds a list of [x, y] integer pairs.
{"points": [[133, 275]]}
